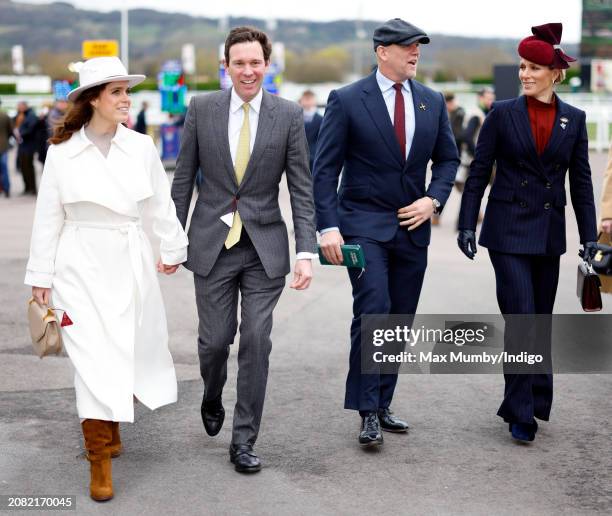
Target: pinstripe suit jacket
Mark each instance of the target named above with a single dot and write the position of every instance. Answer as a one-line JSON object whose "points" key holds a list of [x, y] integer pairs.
{"points": [[526, 206], [280, 146]]}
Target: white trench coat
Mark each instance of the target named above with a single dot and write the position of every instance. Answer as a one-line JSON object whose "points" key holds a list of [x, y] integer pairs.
{"points": [[88, 246]]}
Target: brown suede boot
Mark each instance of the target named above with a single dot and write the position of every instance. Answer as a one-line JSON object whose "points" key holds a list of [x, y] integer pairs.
{"points": [[98, 435], [115, 445]]}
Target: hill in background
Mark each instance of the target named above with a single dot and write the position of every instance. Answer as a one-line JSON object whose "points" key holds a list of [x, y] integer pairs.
{"points": [[52, 34]]}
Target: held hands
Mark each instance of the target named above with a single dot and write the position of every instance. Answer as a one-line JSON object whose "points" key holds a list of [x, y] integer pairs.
{"points": [[606, 226], [166, 269], [416, 213], [589, 251], [302, 275], [41, 295], [330, 246], [466, 240]]}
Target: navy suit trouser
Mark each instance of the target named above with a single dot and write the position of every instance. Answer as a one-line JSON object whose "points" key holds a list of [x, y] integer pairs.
{"points": [[526, 284], [390, 284]]}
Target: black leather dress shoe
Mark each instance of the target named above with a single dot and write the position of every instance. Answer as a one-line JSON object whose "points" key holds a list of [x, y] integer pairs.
{"points": [[244, 458], [213, 415], [390, 423], [370, 434]]}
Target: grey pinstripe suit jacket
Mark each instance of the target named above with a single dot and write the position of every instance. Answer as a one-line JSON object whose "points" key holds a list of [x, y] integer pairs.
{"points": [[280, 146]]}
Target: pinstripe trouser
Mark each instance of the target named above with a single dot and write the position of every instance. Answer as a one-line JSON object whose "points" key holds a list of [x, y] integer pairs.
{"points": [[526, 284], [237, 270]]}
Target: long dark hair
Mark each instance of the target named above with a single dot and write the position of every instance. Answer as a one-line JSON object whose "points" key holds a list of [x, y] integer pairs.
{"points": [[77, 116]]}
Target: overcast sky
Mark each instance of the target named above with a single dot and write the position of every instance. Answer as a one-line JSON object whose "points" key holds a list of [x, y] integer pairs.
{"points": [[484, 18]]}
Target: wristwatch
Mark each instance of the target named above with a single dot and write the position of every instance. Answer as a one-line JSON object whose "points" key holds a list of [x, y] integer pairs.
{"points": [[436, 204]]}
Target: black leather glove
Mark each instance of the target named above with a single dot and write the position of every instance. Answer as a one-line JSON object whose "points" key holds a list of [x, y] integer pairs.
{"points": [[466, 240], [589, 251]]}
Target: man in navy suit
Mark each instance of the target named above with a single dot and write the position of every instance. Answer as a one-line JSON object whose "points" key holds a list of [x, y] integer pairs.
{"points": [[312, 122], [382, 131]]}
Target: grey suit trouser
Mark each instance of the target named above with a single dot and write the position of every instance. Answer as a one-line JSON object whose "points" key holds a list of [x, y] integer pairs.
{"points": [[238, 269]]}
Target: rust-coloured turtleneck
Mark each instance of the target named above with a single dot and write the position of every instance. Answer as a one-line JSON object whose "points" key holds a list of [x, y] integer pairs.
{"points": [[542, 119]]}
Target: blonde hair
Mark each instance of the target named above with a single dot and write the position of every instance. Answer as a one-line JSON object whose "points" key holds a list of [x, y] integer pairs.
{"points": [[561, 77]]}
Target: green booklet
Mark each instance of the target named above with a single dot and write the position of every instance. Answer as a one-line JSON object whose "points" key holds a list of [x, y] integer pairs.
{"points": [[352, 256]]}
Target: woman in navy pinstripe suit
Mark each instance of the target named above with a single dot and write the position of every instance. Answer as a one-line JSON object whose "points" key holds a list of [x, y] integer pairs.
{"points": [[534, 140]]}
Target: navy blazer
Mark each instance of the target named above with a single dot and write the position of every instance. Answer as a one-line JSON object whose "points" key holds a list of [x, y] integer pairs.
{"points": [[357, 138], [526, 208], [312, 134]]}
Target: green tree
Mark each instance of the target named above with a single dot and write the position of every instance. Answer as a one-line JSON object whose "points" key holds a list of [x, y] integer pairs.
{"points": [[326, 65]]}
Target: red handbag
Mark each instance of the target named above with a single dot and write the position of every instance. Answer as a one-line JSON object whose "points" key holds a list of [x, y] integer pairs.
{"points": [[587, 288]]}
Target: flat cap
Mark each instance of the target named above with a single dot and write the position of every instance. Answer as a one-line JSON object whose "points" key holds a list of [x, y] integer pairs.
{"points": [[398, 32]]}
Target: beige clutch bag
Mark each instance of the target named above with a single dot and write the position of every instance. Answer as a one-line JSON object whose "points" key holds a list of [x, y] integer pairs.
{"points": [[44, 329]]}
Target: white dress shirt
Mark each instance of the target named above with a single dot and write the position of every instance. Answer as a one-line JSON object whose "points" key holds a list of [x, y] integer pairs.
{"points": [[388, 93], [236, 118]]}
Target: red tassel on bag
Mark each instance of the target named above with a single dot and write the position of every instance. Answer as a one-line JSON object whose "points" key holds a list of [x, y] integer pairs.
{"points": [[66, 320]]}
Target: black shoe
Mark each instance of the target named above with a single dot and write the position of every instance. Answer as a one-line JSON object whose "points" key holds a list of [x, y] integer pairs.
{"points": [[524, 432], [370, 434], [390, 423], [213, 415], [244, 459]]}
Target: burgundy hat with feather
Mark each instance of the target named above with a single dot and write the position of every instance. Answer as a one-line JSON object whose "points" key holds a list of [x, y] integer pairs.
{"points": [[544, 47]]}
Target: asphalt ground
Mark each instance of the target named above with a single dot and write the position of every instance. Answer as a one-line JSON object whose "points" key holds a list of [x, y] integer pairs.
{"points": [[457, 458]]}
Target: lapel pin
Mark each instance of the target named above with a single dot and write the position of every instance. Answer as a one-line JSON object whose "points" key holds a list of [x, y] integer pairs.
{"points": [[564, 122], [422, 106]]}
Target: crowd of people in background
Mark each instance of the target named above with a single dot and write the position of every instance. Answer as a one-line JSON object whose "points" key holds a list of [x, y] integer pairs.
{"points": [[466, 128], [6, 132], [28, 132], [141, 120]]}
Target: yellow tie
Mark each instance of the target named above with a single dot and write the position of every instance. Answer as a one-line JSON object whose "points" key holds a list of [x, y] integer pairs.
{"points": [[243, 152]]}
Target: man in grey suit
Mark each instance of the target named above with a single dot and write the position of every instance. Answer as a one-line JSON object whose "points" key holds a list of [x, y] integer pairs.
{"points": [[243, 139]]}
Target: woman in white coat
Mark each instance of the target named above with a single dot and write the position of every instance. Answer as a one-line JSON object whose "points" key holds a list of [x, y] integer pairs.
{"points": [[89, 252]]}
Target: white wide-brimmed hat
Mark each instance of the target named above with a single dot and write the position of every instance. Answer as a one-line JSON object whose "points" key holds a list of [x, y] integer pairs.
{"points": [[100, 70]]}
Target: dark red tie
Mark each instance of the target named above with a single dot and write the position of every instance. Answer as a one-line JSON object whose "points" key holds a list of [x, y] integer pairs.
{"points": [[399, 119]]}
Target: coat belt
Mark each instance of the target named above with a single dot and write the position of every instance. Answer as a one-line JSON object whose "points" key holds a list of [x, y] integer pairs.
{"points": [[132, 230]]}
